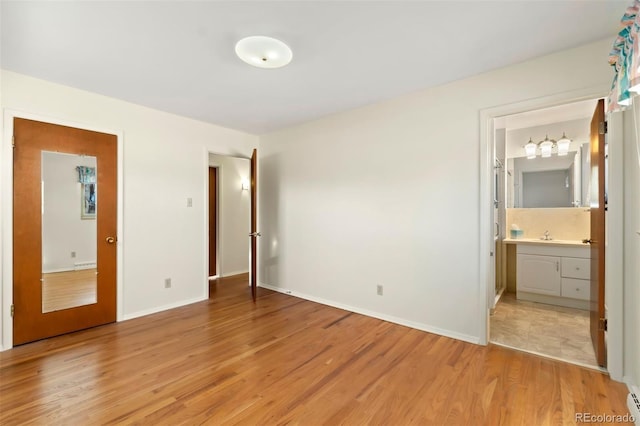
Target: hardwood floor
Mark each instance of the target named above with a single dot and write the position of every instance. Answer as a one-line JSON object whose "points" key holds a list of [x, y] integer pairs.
{"points": [[62, 290], [285, 360]]}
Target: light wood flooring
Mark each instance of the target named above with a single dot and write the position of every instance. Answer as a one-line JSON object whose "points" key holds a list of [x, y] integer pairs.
{"points": [[63, 290], [285, 360], [555, 331]]}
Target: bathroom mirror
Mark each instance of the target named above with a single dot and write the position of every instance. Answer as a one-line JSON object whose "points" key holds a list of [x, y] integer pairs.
{"points": [[69, 253], [556, 181]]}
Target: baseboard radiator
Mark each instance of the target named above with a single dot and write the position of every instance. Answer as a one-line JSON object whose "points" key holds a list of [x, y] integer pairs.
{"points": [[79, 266]]}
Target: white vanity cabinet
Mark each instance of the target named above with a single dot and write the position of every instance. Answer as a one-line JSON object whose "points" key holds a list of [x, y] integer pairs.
{"points": [[539, 274], [554, 274]]}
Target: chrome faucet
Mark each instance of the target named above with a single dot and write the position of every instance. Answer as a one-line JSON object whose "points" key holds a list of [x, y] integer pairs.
{"points": [[546, 237]]}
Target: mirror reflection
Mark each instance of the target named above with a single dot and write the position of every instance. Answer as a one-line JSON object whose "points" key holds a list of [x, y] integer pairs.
{"points": [[69, 254]]}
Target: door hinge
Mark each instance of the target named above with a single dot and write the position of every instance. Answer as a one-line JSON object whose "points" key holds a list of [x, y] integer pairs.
{"points": [[603, 128], [13, 310], [13, 141], [603, 324]]}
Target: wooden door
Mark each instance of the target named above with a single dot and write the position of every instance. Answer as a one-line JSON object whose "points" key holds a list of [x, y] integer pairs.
{"points": [[597, 239], [32, 138], [213, 194], [254, 223]]}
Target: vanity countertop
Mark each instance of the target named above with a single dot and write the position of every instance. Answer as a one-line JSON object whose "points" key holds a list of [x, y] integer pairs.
{"points": [[538, 241]]}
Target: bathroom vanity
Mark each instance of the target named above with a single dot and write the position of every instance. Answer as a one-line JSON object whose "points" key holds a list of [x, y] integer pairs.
{"points": [[555, 272]]}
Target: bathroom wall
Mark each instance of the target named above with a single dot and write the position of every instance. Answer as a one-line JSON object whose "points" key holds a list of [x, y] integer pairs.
{"points": [[562, 223]]}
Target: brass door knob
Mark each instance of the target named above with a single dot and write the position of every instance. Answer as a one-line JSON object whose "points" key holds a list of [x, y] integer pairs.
{"points": [[110, 240]]}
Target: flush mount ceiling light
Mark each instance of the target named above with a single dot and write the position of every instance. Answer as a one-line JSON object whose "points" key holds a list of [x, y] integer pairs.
{"points": [[263, 52]]}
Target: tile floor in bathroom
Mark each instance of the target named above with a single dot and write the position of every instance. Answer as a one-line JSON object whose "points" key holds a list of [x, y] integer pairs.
{"points": [[546, 329]]}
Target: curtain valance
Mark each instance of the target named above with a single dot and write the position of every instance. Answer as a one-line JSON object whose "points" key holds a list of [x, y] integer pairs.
{"points": [[624, 58]]}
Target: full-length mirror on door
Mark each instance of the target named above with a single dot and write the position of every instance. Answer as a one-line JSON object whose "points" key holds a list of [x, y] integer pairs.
{"points": [[64, 229], [69, 254]]}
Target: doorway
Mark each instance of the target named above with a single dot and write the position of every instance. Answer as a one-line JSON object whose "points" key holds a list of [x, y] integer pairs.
{"points": [[542, 284], [229, 215], [64, 241]]}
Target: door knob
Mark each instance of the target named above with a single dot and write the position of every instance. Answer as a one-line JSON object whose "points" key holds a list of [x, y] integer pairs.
{"points": [[110, 240]]}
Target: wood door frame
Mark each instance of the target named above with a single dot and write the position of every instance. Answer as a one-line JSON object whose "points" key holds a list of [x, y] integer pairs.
{"points": [[6, 214], [216, 246], [486, 227]]}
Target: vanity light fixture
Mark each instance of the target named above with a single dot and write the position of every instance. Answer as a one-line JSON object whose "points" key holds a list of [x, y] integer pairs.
{"points": [[530, 148], [546, 147], [263, 52], [563, 145]]}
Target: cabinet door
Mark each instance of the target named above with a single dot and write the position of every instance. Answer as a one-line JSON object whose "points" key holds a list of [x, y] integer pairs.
{"points": [[539, 274]]}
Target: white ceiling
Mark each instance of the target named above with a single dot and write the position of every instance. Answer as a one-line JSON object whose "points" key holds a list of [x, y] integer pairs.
{"points": [[178, 56]]}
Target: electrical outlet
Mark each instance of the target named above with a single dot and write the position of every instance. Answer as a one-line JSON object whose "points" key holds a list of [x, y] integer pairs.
{"points": [[167, 283], [73, 254], [189, 202], [379, 289]]}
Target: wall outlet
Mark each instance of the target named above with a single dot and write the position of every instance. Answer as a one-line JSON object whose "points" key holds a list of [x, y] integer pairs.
{"points": [[189, 202], [73, 254], [379, 289], [167, 283]]}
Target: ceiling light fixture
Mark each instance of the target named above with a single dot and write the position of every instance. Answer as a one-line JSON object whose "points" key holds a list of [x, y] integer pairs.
{"points": [[263, 52]]}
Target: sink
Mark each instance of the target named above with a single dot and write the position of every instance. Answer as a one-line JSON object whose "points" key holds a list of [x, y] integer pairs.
{"points": [[557, 242]]}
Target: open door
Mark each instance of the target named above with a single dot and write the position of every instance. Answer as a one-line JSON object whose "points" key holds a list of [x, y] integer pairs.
{"points": [[597, 240], [254, 223]]}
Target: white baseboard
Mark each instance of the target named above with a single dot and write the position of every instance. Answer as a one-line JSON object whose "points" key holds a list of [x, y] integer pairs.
{"points": [[55, 271], [157, 309], [378, 315]]}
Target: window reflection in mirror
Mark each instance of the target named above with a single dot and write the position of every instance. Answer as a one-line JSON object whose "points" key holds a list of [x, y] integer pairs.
{"points": [[69, 255]]}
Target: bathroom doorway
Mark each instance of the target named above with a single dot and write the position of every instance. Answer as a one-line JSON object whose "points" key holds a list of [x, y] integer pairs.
{"points": [[542, 194]]}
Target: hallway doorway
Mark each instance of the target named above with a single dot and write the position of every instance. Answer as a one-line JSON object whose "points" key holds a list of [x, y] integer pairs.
{"points": [[229, 217]]}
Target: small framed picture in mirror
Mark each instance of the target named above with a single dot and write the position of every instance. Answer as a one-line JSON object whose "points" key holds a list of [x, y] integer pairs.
{"points": [[89, 198]]}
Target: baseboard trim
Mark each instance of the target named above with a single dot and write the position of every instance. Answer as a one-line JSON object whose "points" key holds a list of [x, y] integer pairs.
{"points": [[633, 388], [389, 318], [57, 270], [162, 308]]}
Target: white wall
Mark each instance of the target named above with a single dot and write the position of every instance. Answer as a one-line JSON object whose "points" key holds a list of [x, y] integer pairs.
{"points": [[389, 194], [632, 244], [63, 229], [234, 214], [165, 160]]}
